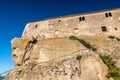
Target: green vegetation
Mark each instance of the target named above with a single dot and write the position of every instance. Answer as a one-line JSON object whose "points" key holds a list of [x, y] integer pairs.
{"points": [[20, 71], [111, 37], [73, 38], [79, 57], [114, 71], [86, 44]]}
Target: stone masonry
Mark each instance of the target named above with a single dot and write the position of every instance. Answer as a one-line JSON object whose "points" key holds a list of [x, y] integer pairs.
{"points": [[105, 22], [46, 52]]}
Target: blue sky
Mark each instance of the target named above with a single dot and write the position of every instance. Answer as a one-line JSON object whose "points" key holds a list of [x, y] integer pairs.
{"points": [[14, 14]]}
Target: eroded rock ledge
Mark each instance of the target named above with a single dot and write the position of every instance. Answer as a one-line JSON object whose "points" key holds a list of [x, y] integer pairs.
{"points": [[90, 67], [56, 59]]}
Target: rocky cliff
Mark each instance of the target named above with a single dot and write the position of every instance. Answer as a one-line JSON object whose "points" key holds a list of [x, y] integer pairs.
{"points": [[90, 67], [68, 48], [61, 59]]}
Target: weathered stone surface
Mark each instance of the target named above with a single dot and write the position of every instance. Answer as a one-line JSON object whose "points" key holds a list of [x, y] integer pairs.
{"points": [[89, 68], [45, 53], [72, 25], [20, 50], [92, 68], [25, 50]]}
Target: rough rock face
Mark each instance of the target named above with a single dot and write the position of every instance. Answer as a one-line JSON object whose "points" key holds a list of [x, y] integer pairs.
{"points": [[44, 52], [38, 51], [20, 48], [92, 68], [56, 59], [65, 68]]}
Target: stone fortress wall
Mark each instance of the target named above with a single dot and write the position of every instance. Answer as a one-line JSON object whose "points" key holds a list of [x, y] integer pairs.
{"points": [[105, 22], [46, 40], [50, 56]]}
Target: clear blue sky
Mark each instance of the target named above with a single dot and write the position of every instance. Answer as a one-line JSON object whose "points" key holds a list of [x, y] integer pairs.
{"points": [[14, 14]]}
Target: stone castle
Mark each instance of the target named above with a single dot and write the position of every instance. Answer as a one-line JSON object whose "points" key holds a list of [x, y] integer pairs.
{"points": [[46, 51], [47, 40], [104, 22]]}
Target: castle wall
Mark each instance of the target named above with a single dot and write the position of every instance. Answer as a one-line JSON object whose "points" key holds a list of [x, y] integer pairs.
{"points": [[90, 24]]}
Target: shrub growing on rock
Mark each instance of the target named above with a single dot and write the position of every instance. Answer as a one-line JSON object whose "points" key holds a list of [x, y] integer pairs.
{"points": [[114, 71]]}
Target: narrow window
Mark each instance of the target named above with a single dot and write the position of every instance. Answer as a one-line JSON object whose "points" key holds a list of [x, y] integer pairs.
{"points": [[110, 14], [106, 14], [82, 18], [104, 29]]}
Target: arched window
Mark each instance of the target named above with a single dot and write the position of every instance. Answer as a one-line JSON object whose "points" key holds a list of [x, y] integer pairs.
{"points": [[82, 18], [108, 14], [59, 21]]}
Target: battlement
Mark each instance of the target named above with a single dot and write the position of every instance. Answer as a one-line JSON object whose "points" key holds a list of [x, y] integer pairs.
{"points": [[106, 22]]}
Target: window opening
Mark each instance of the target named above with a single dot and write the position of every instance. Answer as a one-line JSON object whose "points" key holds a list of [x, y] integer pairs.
{"points": [[108, 14], [36, 26], [82, 18], [104, 29]]}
